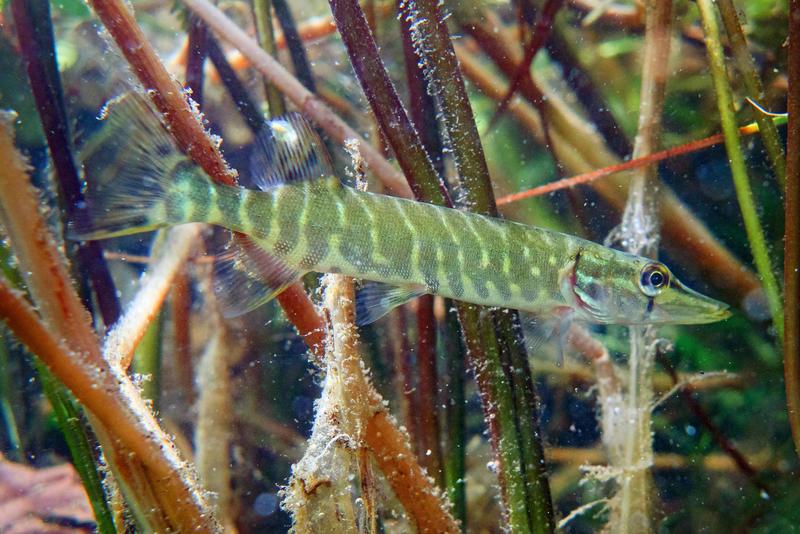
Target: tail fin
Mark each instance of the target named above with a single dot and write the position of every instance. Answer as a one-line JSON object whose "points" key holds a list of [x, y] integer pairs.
{"points": [[128, 164]]}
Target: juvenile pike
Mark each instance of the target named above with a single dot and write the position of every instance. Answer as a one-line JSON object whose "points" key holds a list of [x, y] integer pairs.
{"points": [[304, 219]]}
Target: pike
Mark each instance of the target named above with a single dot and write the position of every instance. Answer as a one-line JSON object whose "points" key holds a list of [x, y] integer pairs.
{"points": [[304, 219]]}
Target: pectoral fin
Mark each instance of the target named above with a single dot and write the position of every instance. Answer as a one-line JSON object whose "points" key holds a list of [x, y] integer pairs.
{"points": [[246, 276], [541, 329]]}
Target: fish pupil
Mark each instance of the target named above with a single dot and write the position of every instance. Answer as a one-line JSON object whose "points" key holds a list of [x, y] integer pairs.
{"points": [[657, 279]]}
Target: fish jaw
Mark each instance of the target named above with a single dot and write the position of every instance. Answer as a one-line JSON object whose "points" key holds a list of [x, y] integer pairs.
{"points": [[682, 305]]}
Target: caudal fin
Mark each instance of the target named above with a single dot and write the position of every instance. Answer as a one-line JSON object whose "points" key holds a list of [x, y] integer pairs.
{"points": [[129, 165]]}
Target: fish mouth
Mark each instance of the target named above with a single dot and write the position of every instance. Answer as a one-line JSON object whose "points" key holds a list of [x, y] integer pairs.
{"points": [[687, 306]]}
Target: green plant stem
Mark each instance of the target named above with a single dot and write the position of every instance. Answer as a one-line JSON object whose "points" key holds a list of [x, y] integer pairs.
{"points": [[75, 434], [511, 413], [455, 427], [791, 266], [302, 68], [262, 9], [752, 82], [147, 361], [752, 225], [6, 410]]}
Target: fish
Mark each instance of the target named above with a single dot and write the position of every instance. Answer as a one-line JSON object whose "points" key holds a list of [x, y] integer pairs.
{"points": [[303, 218]]}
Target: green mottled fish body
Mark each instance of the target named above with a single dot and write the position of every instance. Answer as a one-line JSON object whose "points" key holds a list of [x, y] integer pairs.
{"points": [[324, 226], [304, 219]]}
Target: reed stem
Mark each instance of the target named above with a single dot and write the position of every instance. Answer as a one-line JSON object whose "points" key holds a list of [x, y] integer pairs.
{"points": [[752, 224], [791, 266], [35, 34], [755, 89], [262, 10]]}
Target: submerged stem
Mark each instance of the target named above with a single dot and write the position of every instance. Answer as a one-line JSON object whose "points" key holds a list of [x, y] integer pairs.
{"points": [[752, 224], [791, 266], [752, 82]]}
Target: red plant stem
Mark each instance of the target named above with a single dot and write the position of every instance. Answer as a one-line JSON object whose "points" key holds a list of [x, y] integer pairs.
{"points": [[406, 392], [791, 273], [166, 94], [181, 333], [649, 159], [541, 31]]}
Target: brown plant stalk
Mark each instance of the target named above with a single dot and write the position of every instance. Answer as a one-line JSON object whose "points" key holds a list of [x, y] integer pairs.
{"points": [[392, 451], [138, 450], [121, 341]]}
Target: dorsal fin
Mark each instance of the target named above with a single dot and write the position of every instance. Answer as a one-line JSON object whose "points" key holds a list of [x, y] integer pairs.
{"points": [[288, 149]]}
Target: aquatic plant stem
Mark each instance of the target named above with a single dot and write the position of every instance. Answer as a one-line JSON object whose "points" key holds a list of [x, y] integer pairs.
{"points": [[647, 159], [15, 448], [35, 35], [74, 427], [170, 257], [262, 11], [752, 225], [430, 450], [752, 82], [147, 361], [791, 265], [627, 432], [196, 59], [455, 439], [292, 40], [366, 420]]}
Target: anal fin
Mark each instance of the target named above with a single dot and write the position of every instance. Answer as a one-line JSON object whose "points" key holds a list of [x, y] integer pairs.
{"points": [[375, 299], [246, 276]]}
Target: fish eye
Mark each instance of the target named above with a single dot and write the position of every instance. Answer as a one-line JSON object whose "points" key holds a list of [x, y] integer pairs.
{"points": [[654, 278]]}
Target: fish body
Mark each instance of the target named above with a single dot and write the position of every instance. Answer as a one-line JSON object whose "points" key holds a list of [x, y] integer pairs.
{"points": [[324, 226], [305, 220]]}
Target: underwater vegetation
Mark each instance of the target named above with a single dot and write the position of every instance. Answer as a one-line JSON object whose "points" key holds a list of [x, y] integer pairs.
{"points": [[414, 266]]}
